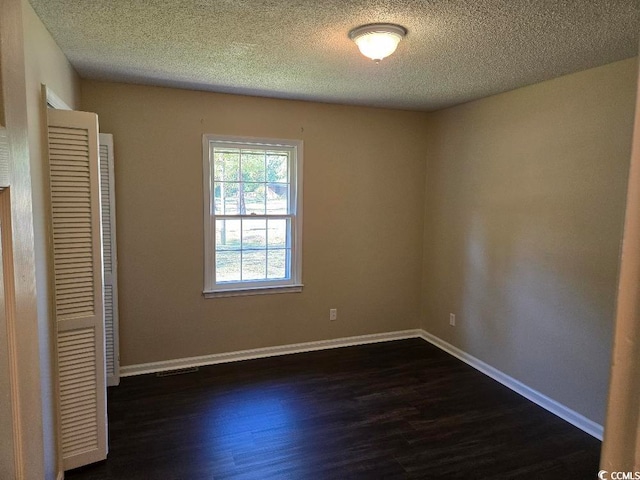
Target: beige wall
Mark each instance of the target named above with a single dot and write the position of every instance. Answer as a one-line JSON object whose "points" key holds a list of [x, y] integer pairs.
{"points": [[363, 195], [523, 223], [44, 63], [621, 446]]}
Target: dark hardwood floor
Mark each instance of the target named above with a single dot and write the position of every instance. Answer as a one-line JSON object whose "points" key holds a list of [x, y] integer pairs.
{"points": [[400, 409]]}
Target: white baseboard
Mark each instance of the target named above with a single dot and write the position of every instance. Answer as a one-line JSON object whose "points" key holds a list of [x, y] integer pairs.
{"points": [[165, 365], [580, 421], [583, 423]]}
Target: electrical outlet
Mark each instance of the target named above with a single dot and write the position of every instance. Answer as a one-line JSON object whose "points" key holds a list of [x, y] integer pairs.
{"points": [[452, 319], [333, 314]]}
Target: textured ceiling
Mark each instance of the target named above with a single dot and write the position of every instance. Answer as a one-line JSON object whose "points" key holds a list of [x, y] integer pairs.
{"points": [[456, 50]]}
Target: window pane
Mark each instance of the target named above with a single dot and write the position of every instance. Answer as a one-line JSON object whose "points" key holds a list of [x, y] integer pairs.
{"points": [[217, 199], [254, 233], [278, 198], [226, 165], [254, 265], [253, 199], [253, 166], [277, 264], [228, 235], [228, 266], [277, 167], [277, 233], [227, 199]]}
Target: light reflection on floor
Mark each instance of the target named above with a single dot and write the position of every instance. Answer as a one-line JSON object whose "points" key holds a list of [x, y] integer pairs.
{"points": [[253, 427]]}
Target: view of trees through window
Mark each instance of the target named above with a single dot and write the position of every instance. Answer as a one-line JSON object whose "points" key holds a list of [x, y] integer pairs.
{"points": [[253, 224]]}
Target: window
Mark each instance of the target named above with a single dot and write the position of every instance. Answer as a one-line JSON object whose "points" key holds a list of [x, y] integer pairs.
{"points": [[253, 215]]}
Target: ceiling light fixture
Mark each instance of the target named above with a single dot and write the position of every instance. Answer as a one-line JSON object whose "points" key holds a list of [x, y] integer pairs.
{"points": [[377, 40]]}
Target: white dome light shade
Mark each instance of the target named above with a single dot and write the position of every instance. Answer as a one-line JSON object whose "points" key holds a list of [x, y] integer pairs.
{"points": [[377, 40]]}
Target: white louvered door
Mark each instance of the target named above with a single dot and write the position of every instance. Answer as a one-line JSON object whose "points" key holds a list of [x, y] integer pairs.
{"points": [[78, 285], [110, 258]]}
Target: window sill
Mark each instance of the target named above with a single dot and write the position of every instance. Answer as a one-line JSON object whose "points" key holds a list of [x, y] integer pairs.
{"points": [[242, 292]]}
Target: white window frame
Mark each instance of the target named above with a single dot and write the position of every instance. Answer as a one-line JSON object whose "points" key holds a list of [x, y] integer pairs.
{"points": [[232, 289]]}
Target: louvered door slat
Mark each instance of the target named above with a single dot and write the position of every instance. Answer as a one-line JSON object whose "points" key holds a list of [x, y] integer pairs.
{"points": [[109, 258], [83, 405], [64, 289], [109, 331], [80, 289], [78, 285]]}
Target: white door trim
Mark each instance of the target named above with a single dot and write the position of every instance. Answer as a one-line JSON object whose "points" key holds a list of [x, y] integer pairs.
{"points": [[53, 100]]}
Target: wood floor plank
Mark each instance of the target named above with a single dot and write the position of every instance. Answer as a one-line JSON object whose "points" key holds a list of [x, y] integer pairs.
{"points": [[393, 410]]}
